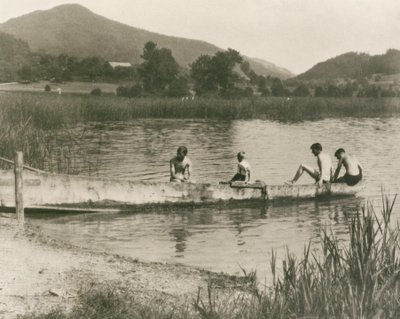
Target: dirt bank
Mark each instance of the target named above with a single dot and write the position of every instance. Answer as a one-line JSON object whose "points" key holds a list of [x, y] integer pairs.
{"points": [[38, 273]]}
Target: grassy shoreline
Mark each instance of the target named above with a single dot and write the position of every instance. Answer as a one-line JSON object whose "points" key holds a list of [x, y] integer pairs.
{"points": [[358, 279], [51, 110], [38, 123]]}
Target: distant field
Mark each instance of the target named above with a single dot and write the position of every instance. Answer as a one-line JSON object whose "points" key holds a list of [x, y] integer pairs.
{"points": [[388, 81], [391, 77], [68, 87]]}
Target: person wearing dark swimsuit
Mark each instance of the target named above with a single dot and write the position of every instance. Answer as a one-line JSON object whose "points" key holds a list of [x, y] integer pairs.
{"points": [[354, 170]]}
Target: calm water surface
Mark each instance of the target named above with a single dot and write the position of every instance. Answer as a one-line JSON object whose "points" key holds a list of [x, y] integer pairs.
{"points": [[224, 237]]}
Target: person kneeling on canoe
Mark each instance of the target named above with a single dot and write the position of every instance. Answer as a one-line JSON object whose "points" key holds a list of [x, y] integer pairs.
{"points": [[321, 175], [353, 168], [244, 169], [180, 166]]}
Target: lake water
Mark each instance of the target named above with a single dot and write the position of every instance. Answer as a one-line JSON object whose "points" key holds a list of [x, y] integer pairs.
{"points": [[224, 237]]}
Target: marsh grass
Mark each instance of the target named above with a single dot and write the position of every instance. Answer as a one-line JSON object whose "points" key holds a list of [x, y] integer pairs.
{"points": [[51, 110], [360, 279], [38, 123], [51, 150]]}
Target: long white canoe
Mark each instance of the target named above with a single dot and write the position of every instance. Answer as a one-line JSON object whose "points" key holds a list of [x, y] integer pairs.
{"points": [[45, 189]]}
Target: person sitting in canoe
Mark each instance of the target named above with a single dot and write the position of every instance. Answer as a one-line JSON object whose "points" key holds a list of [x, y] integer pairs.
{"points": [[321, 175], [180, 166], [244, 169], [353, 168]]}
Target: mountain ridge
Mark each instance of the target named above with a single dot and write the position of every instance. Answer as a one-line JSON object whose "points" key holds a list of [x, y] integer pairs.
{"points": [[75, 30], [354, 65]]}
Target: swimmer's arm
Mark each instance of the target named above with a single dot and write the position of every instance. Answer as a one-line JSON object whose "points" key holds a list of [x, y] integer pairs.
{"points": [[172, 169], [319, 181], [339, 166], [189, 171], [360, 168]]}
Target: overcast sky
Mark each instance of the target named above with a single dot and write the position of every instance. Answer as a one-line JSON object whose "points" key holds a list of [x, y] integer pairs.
{"points": [[295, 34]]}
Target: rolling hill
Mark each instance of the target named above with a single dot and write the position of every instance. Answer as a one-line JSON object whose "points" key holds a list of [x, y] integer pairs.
{"points": [[354, 65], [74, 30]]}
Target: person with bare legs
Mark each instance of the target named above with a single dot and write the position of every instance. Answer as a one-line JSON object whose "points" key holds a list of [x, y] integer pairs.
{"points": [[354, 170], [321, 175], [244, 169]]}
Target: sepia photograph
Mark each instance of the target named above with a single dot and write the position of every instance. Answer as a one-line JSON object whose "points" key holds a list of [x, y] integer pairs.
{"points": [[199, 159]]}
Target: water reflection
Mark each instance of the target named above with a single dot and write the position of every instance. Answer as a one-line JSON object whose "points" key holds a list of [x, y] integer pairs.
{"points": [[218, 237], [222, 237], [179, 235], [141, 149]]}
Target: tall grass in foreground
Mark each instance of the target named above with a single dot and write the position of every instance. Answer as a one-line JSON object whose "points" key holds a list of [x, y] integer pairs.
{"points": [[360, 279]]}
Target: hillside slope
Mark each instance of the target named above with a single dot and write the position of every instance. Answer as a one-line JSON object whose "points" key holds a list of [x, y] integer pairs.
{"points": [[355, 65], [274, 69], [74, 30]]}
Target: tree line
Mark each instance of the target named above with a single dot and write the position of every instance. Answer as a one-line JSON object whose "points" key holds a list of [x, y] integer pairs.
{"points": [[160, 75], [225, 74], [63, 68]]}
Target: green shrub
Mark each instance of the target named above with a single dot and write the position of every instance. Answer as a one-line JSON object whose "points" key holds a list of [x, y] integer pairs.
{"points": [[96, 92]]}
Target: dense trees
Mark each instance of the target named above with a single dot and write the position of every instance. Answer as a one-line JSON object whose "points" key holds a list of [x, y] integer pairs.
{"points": [[158, 74], [225, 74], [388, 63], [278, 89], [16, 58], [334, 91], [216, 74], [203, 78], [65, 68], [159, 68], [19, 63], [179, 87], [355, 65], [301, 91]]}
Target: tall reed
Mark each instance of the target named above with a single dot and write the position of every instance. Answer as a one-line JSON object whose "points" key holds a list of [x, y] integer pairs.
{"points": [[50, 110], [359, 279]]}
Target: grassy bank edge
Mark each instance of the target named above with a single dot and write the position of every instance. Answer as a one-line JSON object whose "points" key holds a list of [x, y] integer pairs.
{"points": [[358, 280], [115, 289]]}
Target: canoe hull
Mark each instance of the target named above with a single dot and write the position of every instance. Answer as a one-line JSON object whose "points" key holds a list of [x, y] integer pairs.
{"points": [[42, 189]]}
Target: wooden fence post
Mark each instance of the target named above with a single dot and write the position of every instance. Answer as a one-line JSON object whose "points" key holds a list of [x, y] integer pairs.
{"points": [[19, 198]]}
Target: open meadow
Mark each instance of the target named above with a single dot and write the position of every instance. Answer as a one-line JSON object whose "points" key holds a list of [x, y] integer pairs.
{"points": [[66, 87]]}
